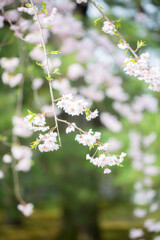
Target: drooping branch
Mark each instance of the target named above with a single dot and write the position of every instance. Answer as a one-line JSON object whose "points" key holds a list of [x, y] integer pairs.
{"points": [[47, 67], [118, 33]]}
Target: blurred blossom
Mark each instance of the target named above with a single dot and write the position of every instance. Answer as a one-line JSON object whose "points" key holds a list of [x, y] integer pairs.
{"points": [[148, 140], [68, 46], [140, 213], [4, 3], [117, 93], [19, 127], [156, 238], [75, 71], [48, 109], [63, 86], [144, 197], [149, 158], [23, 154], [111, 122], [1, 174], [26, 209], [126, 110], [12, 15], [115, 144], [7, 158], [138, 186], [37, 54], [85, 49], [152, 170], [11, 79], [37, 83], [145, 102], [67, 25], [154, 207], [92, 93], [53, 63], [147, 181], [136, 233], [9, 64], [1, 21], [140, 17]]}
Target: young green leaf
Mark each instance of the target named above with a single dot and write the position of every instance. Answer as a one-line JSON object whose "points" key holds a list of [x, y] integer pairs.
{"points": [[35, 144], [56, 71], [48, 27], [96, 21], [140, 44], [28, 5], [54, 52]]}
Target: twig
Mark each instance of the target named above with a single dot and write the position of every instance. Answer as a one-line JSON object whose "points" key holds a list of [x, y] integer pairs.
{"points": [[119, 34], [48, 71]]}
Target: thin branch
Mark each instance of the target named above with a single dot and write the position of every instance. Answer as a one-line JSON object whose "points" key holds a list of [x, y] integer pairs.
{"points": [[16, 182], [68, 123], [47, 67], [119, 34]]}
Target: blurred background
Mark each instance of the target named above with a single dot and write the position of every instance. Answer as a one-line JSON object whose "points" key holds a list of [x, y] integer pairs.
{"points": [[73, 199]]}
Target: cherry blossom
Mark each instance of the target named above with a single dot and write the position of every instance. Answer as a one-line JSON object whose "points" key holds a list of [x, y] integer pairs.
{"points": [[71, 106], [7, 158], [1, 174], [49, 142], [70, 128], [88, 138], [108, 27], [26, 209]]}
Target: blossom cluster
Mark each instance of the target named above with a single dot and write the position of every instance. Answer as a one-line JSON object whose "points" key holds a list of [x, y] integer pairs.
{"points": [[140, 68], [108, 27], [76, 107], [19, 127], [88, 138], [26, 209], [9, 77], [145, 195], [106, 160], [36, 122], [49, 142], [71, 106], [23, 156]]}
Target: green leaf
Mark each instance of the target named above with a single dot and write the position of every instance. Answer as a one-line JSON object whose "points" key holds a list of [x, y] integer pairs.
{"points": [[30, 113], [28, 5], [118, 25], [33, 116], [90, 147], [54, 52], [119, 164], [39, 64], [126, 51], [48, 27], [115, 33], [140, 44], [35, 144], [44, 4], [39, 45], [99, 6], [56, 71], [96, 21], [44, 9], [87, 112], [31, 119], [49, 78], [131, 60]]}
